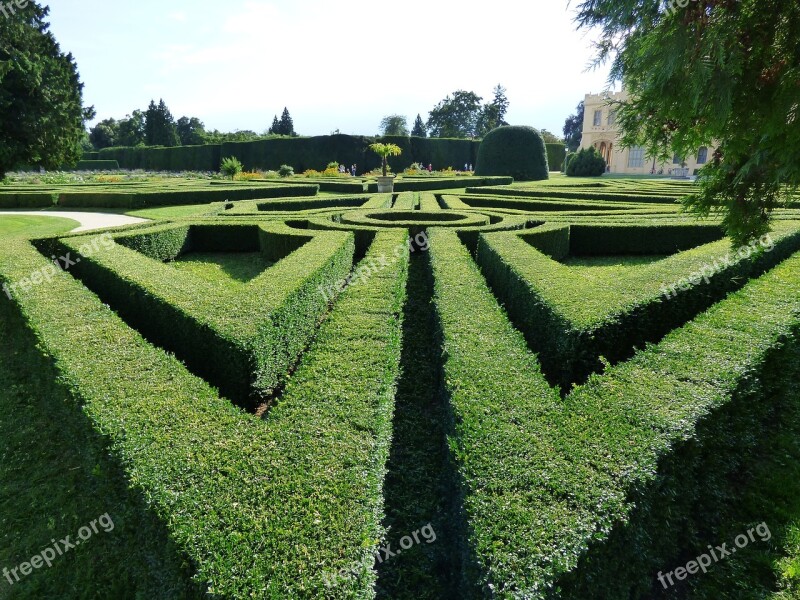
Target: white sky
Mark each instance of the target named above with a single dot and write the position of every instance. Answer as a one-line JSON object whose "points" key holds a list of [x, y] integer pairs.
{"points": [[336, 65]]}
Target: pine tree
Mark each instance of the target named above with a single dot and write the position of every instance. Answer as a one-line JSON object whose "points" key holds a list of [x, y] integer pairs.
{"points": [[41, 96], [286, 123], [276, 127], [159, 127], [419, 129]]}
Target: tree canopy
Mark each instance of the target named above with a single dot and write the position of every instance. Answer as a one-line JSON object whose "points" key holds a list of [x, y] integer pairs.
{"points": [[159, 126], [394, 125], [573, 128], [41, 96], [419, 129], [464, 116], [714, 73]]}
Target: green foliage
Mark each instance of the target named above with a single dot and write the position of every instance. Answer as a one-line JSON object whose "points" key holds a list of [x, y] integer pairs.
{"points": [[587, 162], [572, 321], [230, 167], [285, 171], [518, 152], [573, 128], [556, 151], [191, 131], [742, 95], [284, 126], [202, 465], [394, 125], [419, 129], [493, 114], [456, 117], [159, 126], [41, 97], [385, 151], [97, 165]]}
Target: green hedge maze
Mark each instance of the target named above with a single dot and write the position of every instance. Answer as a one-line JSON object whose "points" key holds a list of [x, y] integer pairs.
{"points": [[552, 391]]}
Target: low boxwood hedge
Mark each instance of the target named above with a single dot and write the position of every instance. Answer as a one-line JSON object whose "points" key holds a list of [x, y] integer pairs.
{"points": [[274, 508], [27, 199], [588, 497], [175, 197], [575, 323], [243, 340], [633, 196]]}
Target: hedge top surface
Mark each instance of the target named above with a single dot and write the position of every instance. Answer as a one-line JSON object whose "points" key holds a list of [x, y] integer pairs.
{"points": [[514, 151]]}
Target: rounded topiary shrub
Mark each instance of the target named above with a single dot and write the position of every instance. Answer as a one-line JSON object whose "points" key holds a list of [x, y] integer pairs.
{"points": [[586, 163], [513, 151]]}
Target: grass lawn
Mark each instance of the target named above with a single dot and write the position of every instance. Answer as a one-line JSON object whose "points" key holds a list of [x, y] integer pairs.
{"points": [[30, 226], [227, 268]]}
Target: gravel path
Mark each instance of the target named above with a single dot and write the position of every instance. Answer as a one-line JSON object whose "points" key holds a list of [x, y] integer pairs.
{"points": [[88, 220]]}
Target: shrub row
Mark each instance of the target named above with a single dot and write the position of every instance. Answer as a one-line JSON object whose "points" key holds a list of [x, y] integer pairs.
{"points": [[260, 509], [199, 195], [180, 158], [27, 199], [576, 195], [300, 153], [573, 322], [445, 183], [555, 155], [244, 340], [428, 202], [311, 203], [505, 202], [590, 496], [97, 165], [406, 201]]}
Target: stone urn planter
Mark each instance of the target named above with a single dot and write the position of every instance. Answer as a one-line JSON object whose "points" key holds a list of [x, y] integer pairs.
{"points": [[386, 185]]}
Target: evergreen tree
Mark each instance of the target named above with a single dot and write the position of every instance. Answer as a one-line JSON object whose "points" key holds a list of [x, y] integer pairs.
{"points": [[419, 129], [286, 123], [573, 128], [104, 134], [41, 96], [276, 127], [159, 126], [493, 115]]}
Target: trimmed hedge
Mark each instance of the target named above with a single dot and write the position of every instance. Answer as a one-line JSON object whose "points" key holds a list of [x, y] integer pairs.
{"points": [[636, 196], [588, 162], [556, 153], [300, 153], [518, 152], [443, 183], [27, 199], [97, 165], [599, 491], [175, 197], [260, 509], [575, 323], [245, 340]]}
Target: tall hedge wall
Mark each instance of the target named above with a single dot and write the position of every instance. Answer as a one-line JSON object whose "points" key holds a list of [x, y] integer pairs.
{"points": [[555, 156], [300, 153]]}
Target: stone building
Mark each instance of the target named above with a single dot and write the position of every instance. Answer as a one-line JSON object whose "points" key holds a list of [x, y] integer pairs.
{"points": [[600, 130]]}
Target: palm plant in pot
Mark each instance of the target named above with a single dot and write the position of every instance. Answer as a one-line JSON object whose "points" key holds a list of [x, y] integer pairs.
{"points": [[386, 183]]}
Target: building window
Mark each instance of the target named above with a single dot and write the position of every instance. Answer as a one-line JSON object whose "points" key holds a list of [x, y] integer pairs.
{"points": [[612, 118], [676, 160], [702, 155], [598, 118], [636, 157]]}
